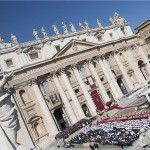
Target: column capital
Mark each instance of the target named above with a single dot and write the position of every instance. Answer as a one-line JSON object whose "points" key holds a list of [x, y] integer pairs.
{"points": [[32, 82], [61, 71], [54, 74], [74, 66], [103, 57], [89, 61], [97, 58]]}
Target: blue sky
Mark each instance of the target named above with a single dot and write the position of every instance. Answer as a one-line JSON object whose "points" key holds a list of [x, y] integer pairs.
{"points": [[20, 18]]}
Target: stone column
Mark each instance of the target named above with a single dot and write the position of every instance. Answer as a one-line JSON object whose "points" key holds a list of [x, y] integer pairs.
{"points": [[65, 100], [90, 102], [124, 72], [51, 126], [100, 84], [112, 77], [109, 79], [77, 105], [134, 65]]}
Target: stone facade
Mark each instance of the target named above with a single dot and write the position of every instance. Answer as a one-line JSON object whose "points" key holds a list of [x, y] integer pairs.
{"points": [[143, 31], [58, 80]]}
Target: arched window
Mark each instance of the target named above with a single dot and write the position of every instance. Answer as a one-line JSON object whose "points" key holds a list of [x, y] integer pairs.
{"points": [[38, 129], [83, 72], [24, 96], [46, 87], [37, 126]]}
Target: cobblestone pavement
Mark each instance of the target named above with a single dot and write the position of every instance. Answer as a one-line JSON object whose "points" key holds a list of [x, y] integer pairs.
{"points": [[133, 100]]}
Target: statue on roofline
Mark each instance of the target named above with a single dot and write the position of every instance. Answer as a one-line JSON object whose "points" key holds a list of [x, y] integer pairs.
{"points": [[35, 34], [117, 20], [14, 39], [81, 26], [55, 29], [44, 32], [64, 27], [99, 24], [86, 25], [72, 28]]}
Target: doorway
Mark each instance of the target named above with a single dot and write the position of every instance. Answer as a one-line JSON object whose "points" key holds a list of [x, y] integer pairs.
{"points": [[97, 100], [86, 110], [61, 118], [122, 86]]}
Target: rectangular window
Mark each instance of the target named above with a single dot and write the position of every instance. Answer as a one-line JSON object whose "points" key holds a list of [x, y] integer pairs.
{"points": [[9, 63], [33, 55], [99, 38], [123, 31], [84, 40], [57, 47], [111, 35]]}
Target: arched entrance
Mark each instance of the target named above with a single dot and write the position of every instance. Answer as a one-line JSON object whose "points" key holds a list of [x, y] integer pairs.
{"points": [[122, 86], [61, 118], [143, 69], [97, 100], [86, 110]]}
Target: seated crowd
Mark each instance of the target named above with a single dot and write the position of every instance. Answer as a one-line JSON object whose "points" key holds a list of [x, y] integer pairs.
{"points": [[138, 115], [112, 132]]}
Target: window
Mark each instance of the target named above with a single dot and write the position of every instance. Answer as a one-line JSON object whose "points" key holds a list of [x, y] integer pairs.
{"points": [[100, 38], [76, 90], [9, 63], [111, 35], [54, 98], [46, 87], [83, 72], [84, 40], [57, 47], [123, 31], [33, 55]]}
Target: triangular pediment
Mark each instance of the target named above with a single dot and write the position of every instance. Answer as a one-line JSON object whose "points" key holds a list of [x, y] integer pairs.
{"points": [[75, 46]]}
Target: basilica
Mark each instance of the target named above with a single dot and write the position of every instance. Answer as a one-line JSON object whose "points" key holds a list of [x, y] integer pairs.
{"points": [[61, 79]]}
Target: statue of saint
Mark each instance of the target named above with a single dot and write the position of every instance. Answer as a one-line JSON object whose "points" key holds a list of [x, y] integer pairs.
{"points": [[9, 123], [64, 27], [116, 16], [99, 24], [72, 28], [1, 39], [55, 29], [14, 39], [35, 34], [86, 25], [81, 26], [44, 32]]}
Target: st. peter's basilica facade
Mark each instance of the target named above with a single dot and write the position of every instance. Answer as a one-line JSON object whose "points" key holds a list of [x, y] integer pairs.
{"points": [[63, 78]]}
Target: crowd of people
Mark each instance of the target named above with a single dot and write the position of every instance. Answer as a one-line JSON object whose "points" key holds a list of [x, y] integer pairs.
{"points": [[137, 115], [114, 131], [70, 130]]}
